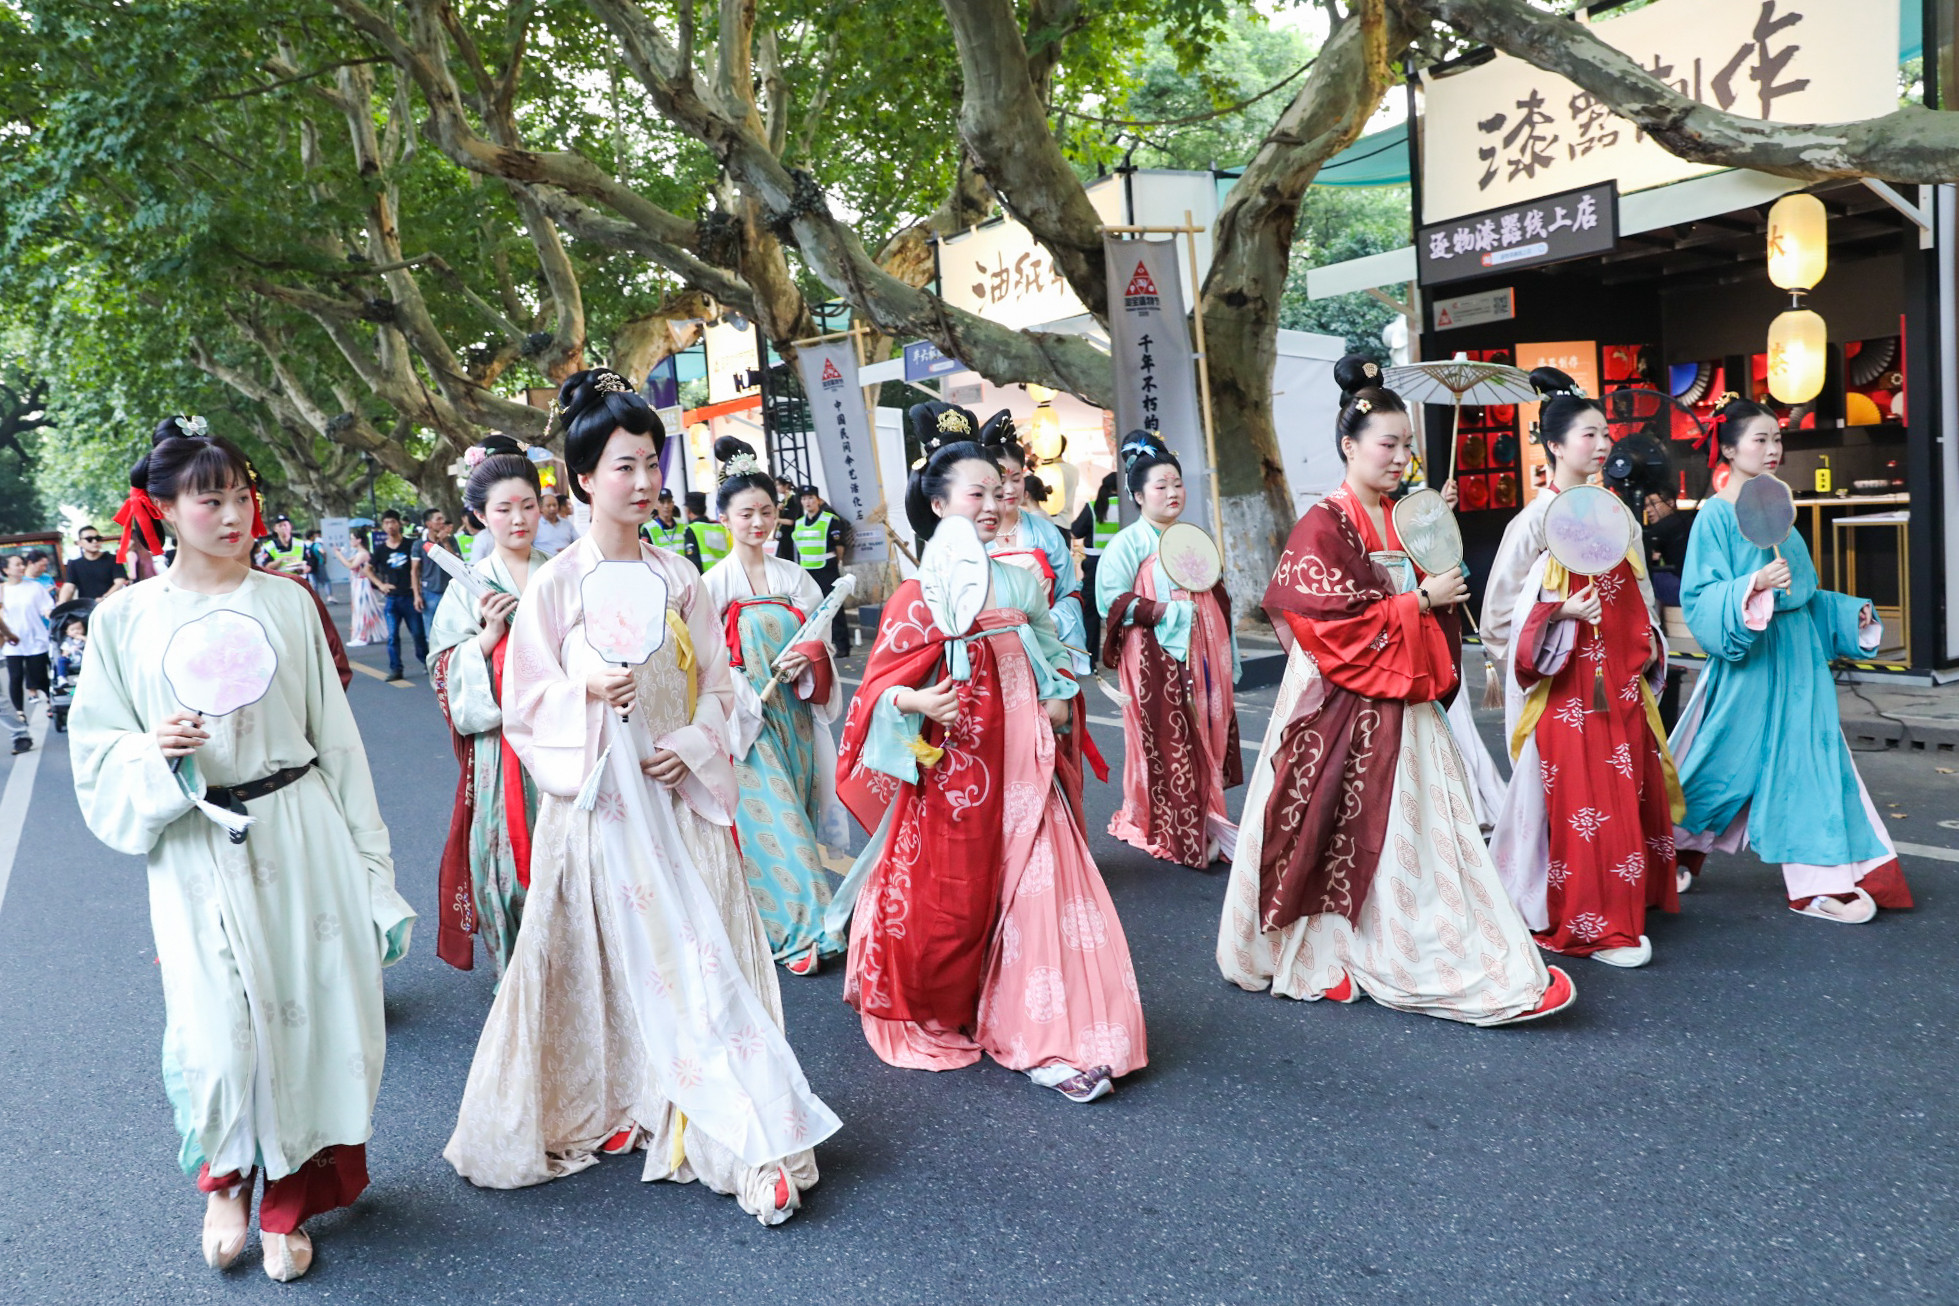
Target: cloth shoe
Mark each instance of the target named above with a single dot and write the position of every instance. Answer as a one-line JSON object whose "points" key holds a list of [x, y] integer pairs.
{"points": [[1859, 910], [1628, 958], [288, 1256], [227, 1221], [1560, 994]]}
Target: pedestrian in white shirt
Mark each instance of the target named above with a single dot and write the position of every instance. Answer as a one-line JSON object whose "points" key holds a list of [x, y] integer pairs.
{"points": [[24, 608], [556, 530]]}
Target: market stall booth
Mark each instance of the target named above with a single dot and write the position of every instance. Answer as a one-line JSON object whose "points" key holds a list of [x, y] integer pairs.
{"points": [[1548, 232]]}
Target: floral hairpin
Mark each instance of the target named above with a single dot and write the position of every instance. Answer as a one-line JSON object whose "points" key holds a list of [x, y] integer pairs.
{"points": [[195, 427], [610, 383], [742, 464], [954, 420], [1370, 370], [1364, 405]]}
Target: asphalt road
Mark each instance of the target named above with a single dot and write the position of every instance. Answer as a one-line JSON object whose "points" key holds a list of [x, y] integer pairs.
{"points": [[1762, 1115]]}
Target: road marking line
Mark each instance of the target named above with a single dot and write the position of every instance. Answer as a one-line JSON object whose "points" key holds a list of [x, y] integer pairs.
{"points": [[381, 676], [1928, 850], [13, 805]]}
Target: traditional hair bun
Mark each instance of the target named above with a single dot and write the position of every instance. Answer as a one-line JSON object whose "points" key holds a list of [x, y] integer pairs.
{"points": [[1000, 431], [728, 446], [1356, 372], [938, 425], [1143, 444], [594, 403], [1550, 382], [740, 470]]}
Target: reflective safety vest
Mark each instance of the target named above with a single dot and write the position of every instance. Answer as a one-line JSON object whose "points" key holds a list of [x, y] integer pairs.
{"points": [[710, 539], [813, 541], [666, 537], [1108, 525], [291, 559]]}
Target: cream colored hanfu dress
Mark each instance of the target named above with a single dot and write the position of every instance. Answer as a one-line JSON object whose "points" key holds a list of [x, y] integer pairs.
{"points": [[271, 949], [640, 998]]}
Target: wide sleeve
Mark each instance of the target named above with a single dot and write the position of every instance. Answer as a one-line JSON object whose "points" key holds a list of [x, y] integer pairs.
{"points": [[1052, 661], [1069, 625], [706, 742], [1523, 541], [1724, 611], [1836, 621], [1116, 573], [473, 706], [123, 783], [1391, 650], [820, 686], [544, 706], [341, 760]]}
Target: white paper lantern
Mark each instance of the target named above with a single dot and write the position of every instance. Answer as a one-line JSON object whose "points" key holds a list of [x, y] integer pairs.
{"points": [[1798, 349], [1799, 242]]}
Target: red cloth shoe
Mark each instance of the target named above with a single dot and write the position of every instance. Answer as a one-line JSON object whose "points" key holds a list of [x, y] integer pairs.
{"points": [[1343, 991], [1560, 994], [806, 965], [620, 1143]]}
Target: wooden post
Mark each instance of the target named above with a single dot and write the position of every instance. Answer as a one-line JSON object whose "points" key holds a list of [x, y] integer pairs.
{"points": [[1204, 382]]}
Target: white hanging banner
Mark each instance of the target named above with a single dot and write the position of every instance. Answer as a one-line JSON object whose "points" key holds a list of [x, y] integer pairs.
{"points": [[1155, 367], [845, 441], [1506, 131]]}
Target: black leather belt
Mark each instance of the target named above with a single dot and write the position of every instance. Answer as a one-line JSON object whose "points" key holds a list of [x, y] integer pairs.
{"points": [[234, 797]]}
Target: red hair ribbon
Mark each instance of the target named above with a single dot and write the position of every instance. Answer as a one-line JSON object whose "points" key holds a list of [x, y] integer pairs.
{"points": [[139, 514]]}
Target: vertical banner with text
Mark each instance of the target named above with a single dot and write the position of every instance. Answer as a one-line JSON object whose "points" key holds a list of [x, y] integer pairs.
{"points": [[1155, 367], [845, 442]]}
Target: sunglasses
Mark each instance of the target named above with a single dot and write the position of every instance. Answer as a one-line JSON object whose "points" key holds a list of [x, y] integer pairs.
{"points": [[91, 539]]}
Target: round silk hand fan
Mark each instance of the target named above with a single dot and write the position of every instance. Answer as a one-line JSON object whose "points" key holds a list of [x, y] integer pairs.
{"points": [[1765, 511], [1432, 537], [625, 612], [1589, 532], [955, 575], [1190, 558], [219, 663]]}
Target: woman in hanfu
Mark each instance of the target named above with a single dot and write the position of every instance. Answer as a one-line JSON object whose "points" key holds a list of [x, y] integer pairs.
{"points": [[363, 604], [486, 863], [1359, 867], [1762, 756], [982, 925], [785, 759], [270, 882], [1028, 540], [639, 1007], [1178, 659], [1584, 841]]}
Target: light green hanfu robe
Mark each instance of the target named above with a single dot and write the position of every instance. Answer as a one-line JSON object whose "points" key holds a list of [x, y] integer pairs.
{"points": [[270, 950]]}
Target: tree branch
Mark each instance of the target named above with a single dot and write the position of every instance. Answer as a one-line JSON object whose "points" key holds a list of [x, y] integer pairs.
{"points": [[1910, 144]]}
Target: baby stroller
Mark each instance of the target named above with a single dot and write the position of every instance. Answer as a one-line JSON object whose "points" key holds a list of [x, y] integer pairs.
{"points": [[61, 692]]}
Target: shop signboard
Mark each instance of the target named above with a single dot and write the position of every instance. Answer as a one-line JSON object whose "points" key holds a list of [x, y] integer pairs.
{"points": [[1155, 367], [845, 440], [923, 361], [1506, 131], [733, 355], [1001, 273], [1527, 234], [1577, 359], [1475, 310]]}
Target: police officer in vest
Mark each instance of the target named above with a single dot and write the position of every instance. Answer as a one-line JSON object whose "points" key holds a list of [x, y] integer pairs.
{"points": [[665, 530], [1095, 525], [281, 552], [707, 541], [818, 542]]}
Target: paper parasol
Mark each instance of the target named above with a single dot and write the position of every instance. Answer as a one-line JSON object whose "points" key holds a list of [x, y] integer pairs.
{"points": [[219, 663], [1765, 510], [955, 575], [625, 611], [1190, 558], [1459, 381]]}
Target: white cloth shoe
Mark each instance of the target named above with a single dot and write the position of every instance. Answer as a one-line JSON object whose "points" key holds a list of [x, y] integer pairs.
{"points": [[227, 1221], [1857, 912], [288, 1256], [1683, 879], [1628, 958]]}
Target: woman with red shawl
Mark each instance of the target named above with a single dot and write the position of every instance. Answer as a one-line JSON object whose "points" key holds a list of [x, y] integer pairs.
{"points": [[982, 924], [1360, 868]]}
